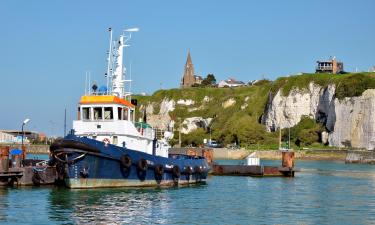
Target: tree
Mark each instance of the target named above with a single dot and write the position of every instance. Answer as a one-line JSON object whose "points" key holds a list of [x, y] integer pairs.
{"points": [[210, 80], [306, 132], [194, 138]]}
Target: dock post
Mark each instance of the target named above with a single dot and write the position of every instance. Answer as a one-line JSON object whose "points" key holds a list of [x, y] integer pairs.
{"points": [[4, 159], [288, 163]]}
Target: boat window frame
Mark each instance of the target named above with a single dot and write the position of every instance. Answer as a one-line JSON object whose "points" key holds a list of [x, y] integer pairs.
{"points": [[115, 140], [126, 113], [101, 113], [119, 113], [111, 116], [83, 113], [131, 115]]}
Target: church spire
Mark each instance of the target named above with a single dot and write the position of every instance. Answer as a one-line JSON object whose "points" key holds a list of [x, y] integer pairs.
{"points": [[188, 60], [188, 78]]}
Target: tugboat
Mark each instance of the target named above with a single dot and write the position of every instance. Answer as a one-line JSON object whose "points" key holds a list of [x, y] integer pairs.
{"points": [[107, 148]]}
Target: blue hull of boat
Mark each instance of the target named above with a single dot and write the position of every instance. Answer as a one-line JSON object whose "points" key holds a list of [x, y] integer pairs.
{"points": [[87, 163]]}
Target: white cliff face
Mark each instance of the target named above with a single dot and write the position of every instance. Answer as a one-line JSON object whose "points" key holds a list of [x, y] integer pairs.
{"points": [[193, 123], [350, 122], [150, 109], [185, 102], [167, 106], [287, 111], [162, 120], [354, 124]]}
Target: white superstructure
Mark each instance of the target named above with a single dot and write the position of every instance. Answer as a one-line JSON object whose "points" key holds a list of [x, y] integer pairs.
{"points": [[110, 116]]}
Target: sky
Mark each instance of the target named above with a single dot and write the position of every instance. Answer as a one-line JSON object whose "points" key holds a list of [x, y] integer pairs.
{"points": [[46, 47]]}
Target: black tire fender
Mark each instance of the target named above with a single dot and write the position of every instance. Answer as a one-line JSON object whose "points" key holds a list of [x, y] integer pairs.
{"points": [[159, 169], [176, 173], [188, 170], [142, 165], [198, 170], [126, 161]]}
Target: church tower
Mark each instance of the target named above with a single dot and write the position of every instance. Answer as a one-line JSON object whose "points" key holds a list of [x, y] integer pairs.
{"points": [[188, 78]]}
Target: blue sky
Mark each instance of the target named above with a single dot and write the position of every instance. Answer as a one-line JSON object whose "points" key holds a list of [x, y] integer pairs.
{"points": [[46, 46]]}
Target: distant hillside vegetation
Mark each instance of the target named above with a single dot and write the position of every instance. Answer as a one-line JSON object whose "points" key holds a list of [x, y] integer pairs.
{"points": [[240, 122]]}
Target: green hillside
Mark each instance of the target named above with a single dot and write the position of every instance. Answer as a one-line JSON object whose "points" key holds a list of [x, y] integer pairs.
{"points": [[233, 124]]}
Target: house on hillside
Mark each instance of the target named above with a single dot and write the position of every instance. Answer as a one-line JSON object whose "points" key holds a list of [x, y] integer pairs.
{"points": [[231, 83], [329, 66]]}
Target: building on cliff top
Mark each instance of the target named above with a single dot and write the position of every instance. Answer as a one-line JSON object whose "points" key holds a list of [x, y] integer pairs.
{"points": [[189, 79], [329, 66], [231, 83]]}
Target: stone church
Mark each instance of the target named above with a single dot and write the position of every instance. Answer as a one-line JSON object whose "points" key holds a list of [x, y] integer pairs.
{"points": [[189, 79]]}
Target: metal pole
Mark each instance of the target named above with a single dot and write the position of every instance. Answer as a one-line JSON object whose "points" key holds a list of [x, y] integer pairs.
{"points": [[210, 134], [65, 123], [23, 124], [179, 133], [280, 138], [289, 139]]}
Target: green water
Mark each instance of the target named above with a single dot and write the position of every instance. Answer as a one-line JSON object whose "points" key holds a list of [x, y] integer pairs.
{"points": [[322, 193]]}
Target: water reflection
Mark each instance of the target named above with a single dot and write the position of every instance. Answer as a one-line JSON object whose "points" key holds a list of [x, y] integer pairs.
{"points": [[109, 206], [3, 204], [323, 193]]}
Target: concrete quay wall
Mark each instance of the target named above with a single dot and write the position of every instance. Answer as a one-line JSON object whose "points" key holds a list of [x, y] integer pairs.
{"points": [[34, 149]]}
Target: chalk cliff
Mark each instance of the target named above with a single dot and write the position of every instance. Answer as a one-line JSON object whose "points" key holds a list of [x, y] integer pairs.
{"points": [[343, 103], [162, 119], [349, 121]]}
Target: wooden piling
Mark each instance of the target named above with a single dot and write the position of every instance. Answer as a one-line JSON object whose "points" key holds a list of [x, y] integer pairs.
{"points": [[287, 159], [4, 159]]}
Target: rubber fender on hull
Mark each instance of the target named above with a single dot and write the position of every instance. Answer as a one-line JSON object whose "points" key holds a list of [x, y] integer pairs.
{"points": [[188, 170], [176, 171], [198, 169], [159, 169], [198, 173], [142, 164], [126, 161]]}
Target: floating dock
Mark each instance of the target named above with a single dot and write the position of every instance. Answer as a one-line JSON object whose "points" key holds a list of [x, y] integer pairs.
{"points": [[253, 168], [17, 171]]}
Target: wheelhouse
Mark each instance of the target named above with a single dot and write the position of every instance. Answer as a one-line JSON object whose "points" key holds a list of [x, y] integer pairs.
{"points": [[105, 108]]}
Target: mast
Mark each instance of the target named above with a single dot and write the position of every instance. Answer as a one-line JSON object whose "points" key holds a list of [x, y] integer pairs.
{"points": [[118, 76], [108, 74]]}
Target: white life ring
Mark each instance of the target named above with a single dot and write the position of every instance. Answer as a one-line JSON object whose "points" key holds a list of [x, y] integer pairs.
{"points": [[106, 141]]}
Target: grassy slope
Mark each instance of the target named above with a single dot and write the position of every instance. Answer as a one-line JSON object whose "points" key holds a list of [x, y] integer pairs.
{"points": [[233, 124], [348, 85]]}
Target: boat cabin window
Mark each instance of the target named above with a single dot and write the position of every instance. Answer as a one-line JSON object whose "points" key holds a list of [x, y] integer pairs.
{"points": [[108, 113], [115, 140], [86, 113], [126, 116], [131, 115], [98, 114], [119, 113]]}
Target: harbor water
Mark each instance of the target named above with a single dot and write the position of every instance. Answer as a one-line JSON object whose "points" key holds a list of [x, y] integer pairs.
{"points": [[322, 193]]}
